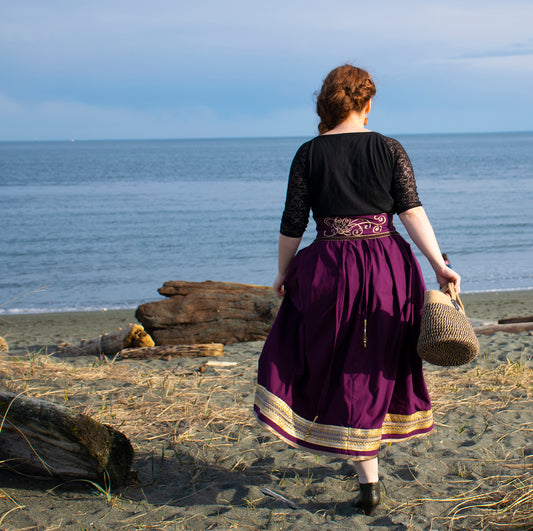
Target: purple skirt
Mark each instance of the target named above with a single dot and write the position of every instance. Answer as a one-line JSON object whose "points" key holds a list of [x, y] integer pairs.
{"points": [[339, 372]]}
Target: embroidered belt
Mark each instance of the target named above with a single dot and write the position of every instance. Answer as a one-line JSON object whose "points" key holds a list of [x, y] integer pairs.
{"points": [[354, 228]]}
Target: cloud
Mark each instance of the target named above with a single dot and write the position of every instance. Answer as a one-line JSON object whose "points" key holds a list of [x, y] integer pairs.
{"points": [[133, 32], [511, 50], [59, 120], [84, 68]]}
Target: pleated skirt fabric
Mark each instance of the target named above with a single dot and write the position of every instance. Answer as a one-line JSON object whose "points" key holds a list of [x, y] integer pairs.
{"points": [[339, 372]]}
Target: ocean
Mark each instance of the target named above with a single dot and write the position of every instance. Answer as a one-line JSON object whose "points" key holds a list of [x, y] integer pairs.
{"points": [[88, 225]]}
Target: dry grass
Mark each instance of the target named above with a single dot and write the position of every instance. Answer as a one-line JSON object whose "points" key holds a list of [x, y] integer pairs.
{"points": [[505, 502], [153, 403], [494, 387], [145, 404], [191, 411], [495, 502]]}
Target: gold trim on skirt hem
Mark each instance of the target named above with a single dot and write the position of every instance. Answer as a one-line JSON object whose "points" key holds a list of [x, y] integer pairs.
{"points": [[340, 438]]}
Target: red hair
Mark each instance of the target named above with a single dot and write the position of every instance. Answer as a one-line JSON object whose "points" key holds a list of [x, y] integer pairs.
{"points": [[346, 89]]}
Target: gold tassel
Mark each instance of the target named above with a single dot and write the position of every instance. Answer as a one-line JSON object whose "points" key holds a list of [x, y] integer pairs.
{"points": [[310, 428], [364, 333]]}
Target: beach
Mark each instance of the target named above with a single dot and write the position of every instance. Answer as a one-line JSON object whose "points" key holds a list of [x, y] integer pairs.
{"points": [[202, 462]]}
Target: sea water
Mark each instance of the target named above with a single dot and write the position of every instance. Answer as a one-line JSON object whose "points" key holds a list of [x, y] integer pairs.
{"points": [[94, 224]]}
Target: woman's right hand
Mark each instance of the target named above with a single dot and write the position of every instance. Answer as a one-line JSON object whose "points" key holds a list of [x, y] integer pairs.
{"points": [[287, 249], [446, 275], [278, 285]]}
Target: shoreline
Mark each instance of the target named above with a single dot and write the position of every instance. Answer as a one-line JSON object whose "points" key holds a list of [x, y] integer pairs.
{"points": [[38, 331], [41, 311]]}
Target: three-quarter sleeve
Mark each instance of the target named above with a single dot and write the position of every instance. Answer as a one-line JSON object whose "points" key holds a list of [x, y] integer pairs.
{"points": [[297, 203], [404, 184]]}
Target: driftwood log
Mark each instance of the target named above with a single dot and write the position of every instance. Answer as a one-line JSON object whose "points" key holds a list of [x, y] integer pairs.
{"points": [[489, 329], [512, 320], [173, 351], [43, 438], [3, 345], [209, 312], [109, 344]]}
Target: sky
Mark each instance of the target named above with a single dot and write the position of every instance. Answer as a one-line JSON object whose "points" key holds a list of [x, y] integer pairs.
{"points": [[113, 69]]}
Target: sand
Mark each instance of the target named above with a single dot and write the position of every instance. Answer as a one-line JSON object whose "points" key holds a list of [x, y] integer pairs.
{"points": [[202, 462]]}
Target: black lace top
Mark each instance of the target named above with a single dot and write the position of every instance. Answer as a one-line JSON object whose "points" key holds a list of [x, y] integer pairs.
{"points": [[348, 174]]}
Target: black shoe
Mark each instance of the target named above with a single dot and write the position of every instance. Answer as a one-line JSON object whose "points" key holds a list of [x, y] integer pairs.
{"points": [[368, 498]]}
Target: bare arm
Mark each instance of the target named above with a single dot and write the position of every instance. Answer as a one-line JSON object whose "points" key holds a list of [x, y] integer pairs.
{"points": [[421, 232], [287, 248]]}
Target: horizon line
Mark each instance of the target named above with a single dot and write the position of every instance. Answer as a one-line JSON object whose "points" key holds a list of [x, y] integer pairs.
{"points": [[139, 139]]}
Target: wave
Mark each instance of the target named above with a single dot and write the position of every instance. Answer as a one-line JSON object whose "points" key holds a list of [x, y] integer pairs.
{"points": [[23, 311], [37, 310], [497, 290]]}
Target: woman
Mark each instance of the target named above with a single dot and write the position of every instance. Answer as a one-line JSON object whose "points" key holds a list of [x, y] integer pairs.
{"points": [[339, 373]]}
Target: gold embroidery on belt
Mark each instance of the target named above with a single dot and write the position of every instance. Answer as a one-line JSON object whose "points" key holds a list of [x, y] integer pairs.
{"points": [[349, 227]]}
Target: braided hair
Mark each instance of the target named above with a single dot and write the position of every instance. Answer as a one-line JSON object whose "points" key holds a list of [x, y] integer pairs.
{"points": [[346, 89]]}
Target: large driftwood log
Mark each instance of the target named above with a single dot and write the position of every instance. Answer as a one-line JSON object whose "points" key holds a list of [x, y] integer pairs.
{"points": [[174, 351], [182, 287], [109, 344], [43, 438], [209, 312], [489, 329]]}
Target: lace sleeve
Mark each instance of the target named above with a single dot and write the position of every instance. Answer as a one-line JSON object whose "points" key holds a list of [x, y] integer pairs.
{"points": [[297, 204], [404, 184]]}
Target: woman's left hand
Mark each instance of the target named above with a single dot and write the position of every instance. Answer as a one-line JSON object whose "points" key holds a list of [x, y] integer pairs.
{"points": [[446, 275]]}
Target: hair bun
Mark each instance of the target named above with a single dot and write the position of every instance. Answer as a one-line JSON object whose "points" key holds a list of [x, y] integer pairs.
{"points": [[346, 89]]}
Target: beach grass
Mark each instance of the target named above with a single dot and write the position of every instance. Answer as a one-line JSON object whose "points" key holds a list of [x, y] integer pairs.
{"points": [[502, 501], [192, 424]]}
